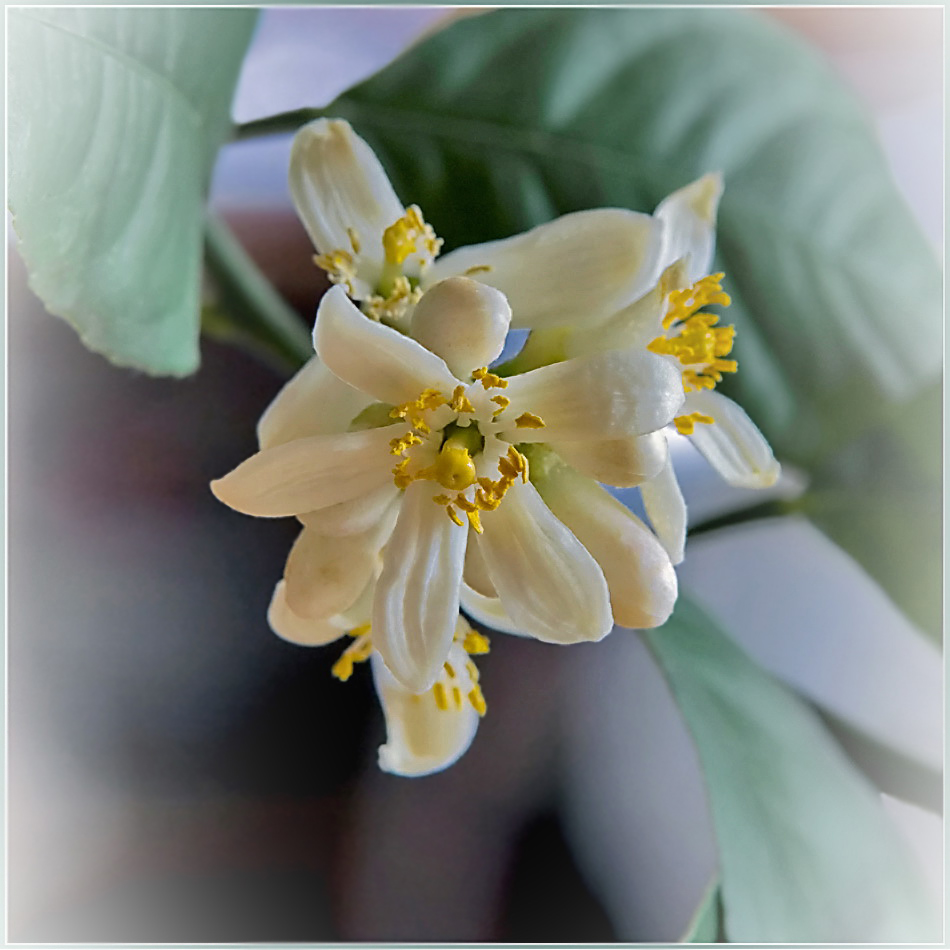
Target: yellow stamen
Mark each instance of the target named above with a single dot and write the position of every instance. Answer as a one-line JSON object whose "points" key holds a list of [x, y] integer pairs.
{"points": [[474, 519], [448, 669], [477, 269], [358, 652], [451, 512], [457, 697], [528, 420], [403, 237], [459, 401], [502, 402], [477, 700], [340, 267], [354, 239], [438, 691], [685, 424], [489, 380], [475, 643]]}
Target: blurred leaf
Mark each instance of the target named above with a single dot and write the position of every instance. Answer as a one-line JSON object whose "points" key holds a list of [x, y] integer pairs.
{"points": [[115, 118], [706, 924], [505, 120], [807, 853]]}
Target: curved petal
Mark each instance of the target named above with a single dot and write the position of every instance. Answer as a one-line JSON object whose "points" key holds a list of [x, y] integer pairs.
{"points": [[601, 397], [324, 576], [689, 219], [475, 574], [338, 184], [620, 462], [487, 611], [638, 571], [463, 321], [666, 510], [421, 738], [732, 444], [354, 516], [307, 474], [579, 268], [417, 595], [313, 402], [549, 584], [374, 358], [300, 630]]}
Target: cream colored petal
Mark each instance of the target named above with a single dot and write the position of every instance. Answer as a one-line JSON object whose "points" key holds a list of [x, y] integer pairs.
{"points": [[487, 610], [288, 626], [421, 738], [475, 574], [374, 358], [417, 599], [338, 184], [548, 583], [463, 321], [638, 571], [601, 397], [577, 269], [352, 517], [313, 402], [620, 462], [689, 224], [307, 474], [732, 445], [324, 576], [666, 510]]}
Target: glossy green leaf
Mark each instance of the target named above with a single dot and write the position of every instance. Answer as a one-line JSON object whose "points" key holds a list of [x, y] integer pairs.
{"points": [[807, 853], [115, 118], [706, 924], [506, 120]]}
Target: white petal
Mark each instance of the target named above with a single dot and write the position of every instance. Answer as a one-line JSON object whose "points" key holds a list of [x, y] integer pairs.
{"points": [[463, 321], [638, 571], [420, 737], [666, 510], [600, 397], [475, 574], [487, 610], [354, 516], [549, 584], [416, 606], [374, 358], [337, 183], [578, 268], [300, 630], [307, 474], [732, 445], [313, 402], [689, 219], [620, 462], [324, 576]]}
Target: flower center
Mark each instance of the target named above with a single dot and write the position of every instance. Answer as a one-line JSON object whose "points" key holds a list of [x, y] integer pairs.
{"points": [[450, 689], [460, 436], [691, 335], [393, 291]]}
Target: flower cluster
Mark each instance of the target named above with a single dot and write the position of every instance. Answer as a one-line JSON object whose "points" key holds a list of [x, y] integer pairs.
{"points": [[427, 478]]}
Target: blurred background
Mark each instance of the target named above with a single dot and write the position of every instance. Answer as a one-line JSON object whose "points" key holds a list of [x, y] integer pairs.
{"points": [[178, 774]]}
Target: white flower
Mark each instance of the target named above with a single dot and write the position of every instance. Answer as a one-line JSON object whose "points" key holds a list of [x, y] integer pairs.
{"points": [[385, 254], [426, 732], [669, 320], [447, 443]]}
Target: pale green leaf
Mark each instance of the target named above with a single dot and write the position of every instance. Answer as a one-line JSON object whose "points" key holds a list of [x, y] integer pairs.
{"points": [[807, 853], [707, 921], [115, 118]]}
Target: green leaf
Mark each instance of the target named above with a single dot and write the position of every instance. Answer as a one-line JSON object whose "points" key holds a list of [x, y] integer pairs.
{"points": [[115, 118], [505, 120], [807, 853], [706, 925]]}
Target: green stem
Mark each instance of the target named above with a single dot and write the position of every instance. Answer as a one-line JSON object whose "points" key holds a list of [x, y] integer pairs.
{"points": [[775, 508], [276, 124], [245, 309]]}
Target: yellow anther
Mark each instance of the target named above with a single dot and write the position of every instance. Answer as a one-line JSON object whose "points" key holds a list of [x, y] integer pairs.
{"points": [[475, 643], [475, 521], [696, 341], [486, 501], [472, 671], [442, 499], [528, 420], [451, 512], [477, 269], [477, 700], [457, 697], [685, 424], [340, 267], [357, 652], [354, 239], [462, 502], [404, 443], [489, 380], [459, 401], [438, 692], [449, 669], [359, 631], [343, 668], [502, 402], [403, 237]]}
